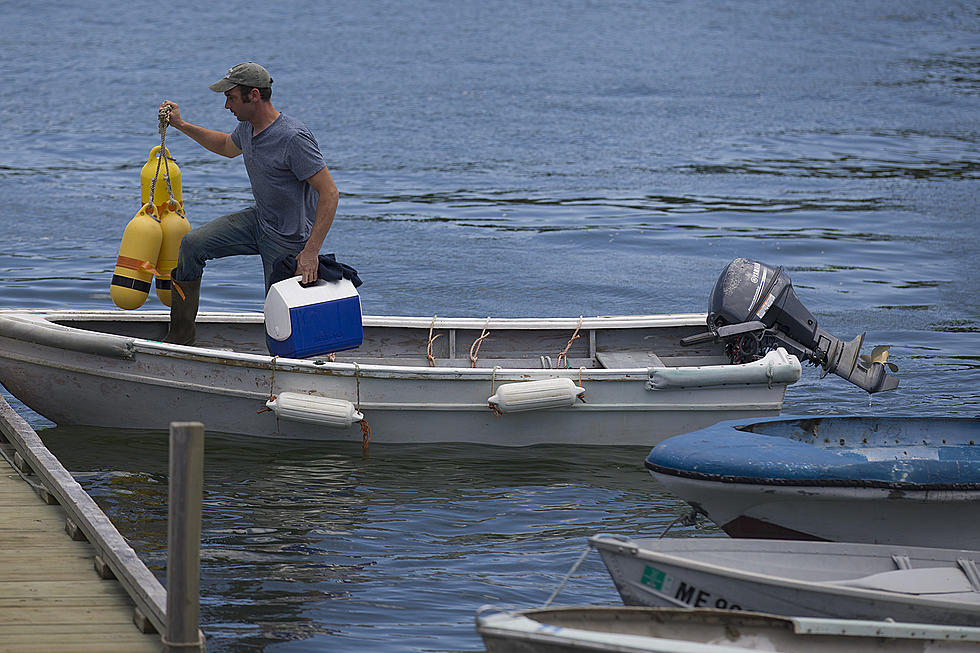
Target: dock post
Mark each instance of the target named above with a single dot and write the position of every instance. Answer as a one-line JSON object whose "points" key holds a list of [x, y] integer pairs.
{"points": [[184, 538]]}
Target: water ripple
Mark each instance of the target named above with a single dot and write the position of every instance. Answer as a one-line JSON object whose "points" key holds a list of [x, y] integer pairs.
{"points": [[848, 155]]}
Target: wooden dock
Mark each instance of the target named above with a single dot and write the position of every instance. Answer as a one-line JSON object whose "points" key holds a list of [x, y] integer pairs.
{"points": [[68, 579]]}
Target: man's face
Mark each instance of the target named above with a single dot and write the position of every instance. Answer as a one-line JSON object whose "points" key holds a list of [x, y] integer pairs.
{"points": [[235, 104]]}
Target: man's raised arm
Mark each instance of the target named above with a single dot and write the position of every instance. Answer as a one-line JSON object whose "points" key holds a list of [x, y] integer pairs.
{"points": [[217, 142]]}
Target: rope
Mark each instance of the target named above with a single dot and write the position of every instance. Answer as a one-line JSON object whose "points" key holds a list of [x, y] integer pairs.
{"points": [[272, 389], [272, 384], [365, 436], [562, 357], [686, 519], [365, 427], [428, 349], [493, 382], [164, 116], [567, 576], [475, 347], [357, 380]]}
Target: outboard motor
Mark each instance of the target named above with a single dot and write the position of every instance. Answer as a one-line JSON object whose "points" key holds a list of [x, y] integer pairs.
{"points": [[753, 308]]}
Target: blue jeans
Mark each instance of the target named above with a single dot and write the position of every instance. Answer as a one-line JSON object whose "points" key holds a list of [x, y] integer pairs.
{"points": [[230, 235]]}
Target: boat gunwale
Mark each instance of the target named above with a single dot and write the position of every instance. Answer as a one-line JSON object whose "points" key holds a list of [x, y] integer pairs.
{"points": [[811, 482], [52, 318], [419, 322], [503, 621], [774, 430], [517, 627]]}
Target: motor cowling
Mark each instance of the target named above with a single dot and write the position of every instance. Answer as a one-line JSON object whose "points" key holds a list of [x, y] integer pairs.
{"points": [[753, 308]]}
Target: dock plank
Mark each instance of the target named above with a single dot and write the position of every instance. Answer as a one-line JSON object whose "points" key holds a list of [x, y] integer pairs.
{"points": [[74, 639], [92, 588], [67, 600]]}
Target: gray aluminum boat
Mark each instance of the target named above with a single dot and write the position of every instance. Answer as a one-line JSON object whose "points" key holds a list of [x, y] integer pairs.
{"points": [[595, 629], [602, 380], [794, 578], [622, 380]]}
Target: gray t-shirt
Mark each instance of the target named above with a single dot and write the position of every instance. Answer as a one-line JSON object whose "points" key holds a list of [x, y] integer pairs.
{"points": [[278, 160]]}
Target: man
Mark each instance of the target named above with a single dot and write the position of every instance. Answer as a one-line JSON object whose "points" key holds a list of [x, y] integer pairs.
{"points": [[295, 196]]}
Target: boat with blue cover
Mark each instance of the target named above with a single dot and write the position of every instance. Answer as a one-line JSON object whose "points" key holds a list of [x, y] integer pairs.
{"points": [[878, 480]]}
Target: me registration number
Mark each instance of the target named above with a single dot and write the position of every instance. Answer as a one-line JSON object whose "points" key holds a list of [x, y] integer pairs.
{"points": [[691, 595]]}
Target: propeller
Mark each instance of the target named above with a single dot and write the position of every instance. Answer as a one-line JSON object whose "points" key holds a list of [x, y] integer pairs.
{"points": [[880, 355]]}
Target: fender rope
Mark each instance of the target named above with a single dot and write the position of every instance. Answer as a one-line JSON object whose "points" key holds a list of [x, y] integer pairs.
{"points": [[493, 381], [357, 380], [272, 382], [164, 116], [365, 427], [365, 436]]}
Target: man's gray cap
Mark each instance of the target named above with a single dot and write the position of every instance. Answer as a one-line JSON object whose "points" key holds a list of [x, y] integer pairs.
{"points": [[244, 74]]}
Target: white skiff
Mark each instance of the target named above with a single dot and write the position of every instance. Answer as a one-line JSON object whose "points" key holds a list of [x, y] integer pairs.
{"points": [[596, 381], [793, 578], [591, 629]]}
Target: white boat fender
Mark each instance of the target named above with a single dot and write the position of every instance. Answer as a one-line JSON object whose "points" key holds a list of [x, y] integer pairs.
{"points": [[535, 395], [315, 409]]}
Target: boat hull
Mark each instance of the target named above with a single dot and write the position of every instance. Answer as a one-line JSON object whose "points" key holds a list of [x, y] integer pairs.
{"points": [[839, 514], [590, 629], [139, 383], [805, 579], [875, 480]]}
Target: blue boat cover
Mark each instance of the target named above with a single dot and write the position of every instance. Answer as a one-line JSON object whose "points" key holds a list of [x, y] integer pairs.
{"points": [[897, 452]]}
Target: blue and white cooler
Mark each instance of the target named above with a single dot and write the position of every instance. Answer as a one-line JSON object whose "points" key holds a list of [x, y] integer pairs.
{"points": [[319, 319]]}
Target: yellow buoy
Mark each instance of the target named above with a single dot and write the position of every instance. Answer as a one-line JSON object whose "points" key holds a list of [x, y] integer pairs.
{"points": [[160, 168], [173, 226], [137, 258]]}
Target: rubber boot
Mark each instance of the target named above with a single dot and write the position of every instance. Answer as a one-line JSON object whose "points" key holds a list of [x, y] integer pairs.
{"points": [[183, 312]]}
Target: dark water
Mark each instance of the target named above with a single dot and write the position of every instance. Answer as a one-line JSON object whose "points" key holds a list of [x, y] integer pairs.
{"points": [[507, 159]]}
